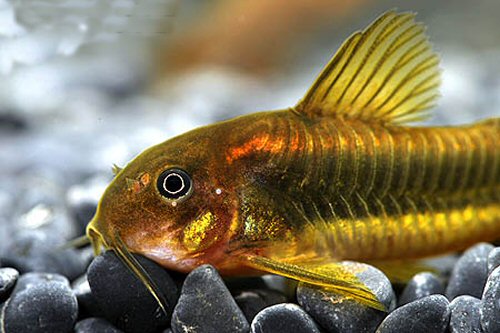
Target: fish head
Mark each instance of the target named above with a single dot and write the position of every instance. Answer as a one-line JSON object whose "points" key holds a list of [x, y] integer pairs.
{"points": [[172, 204]]}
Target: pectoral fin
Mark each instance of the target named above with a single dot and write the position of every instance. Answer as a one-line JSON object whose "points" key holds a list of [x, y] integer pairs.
{"points": [[75, 243], [332, 276]]}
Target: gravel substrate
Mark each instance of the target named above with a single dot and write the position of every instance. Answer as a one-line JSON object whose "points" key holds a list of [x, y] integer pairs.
{"points": [[65, 120], [108, 298]]}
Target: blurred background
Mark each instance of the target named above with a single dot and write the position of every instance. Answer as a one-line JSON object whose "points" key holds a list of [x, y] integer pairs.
{"points": [[88, 83]]}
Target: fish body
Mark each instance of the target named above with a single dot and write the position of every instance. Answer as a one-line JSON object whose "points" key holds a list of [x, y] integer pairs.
{"points": [[359, 191], [339, 176]]}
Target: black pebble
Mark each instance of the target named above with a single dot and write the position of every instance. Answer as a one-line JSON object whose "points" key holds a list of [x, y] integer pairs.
{"points": [[87, 304], [336, 313], [8, 278], [286, 318], [465, 317], [493, 259], [430, 314], [12, 121], [252, 301], [33, 278], [124, 299], [421, 285], [40, 303], [82, 199], [205, 305], [240, 284], [490, 307], [82, 214], [470, 272], [95, 325], [33, 251]]}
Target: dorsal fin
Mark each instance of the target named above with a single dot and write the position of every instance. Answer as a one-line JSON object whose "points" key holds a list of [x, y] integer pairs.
{"points": [[387, 72], [116, 169]]}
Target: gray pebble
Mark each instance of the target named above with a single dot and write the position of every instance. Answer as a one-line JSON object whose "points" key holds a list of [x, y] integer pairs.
{"points": [[335, 313], [470, 272], [124, 299], [87, 304], [95, 325], [205, 305], [465, 315], [11, 121], [253, 301], [82, 199], [34, 251], [421, 285], [493, 259], [41, 206], [490, 307], [284, 317], [240, 284], [40, 303], [33, 278], [8, 278], [430, 314]]}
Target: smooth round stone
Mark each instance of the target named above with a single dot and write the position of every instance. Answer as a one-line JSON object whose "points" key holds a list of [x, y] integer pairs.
{"points": [[40, 303], [285, 317], [253, 301], [82, 214], [490, 307], [11, 121], [493, 259], [470, 272], [34, 251], [95, 325], [42, 207], [34, 278], [87, 304], [465, 316], [124, 299], [82, 199], [430, 314], [336, 313], [8, 278], [206, 305], [286, 286], [421, 285], [237, 285]]}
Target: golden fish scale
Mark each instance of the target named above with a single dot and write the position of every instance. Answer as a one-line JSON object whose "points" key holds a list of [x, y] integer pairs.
{"points": [[372, 191]]}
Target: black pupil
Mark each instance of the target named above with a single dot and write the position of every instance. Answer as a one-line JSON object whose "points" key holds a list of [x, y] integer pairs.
{"points": [[174, 183]]}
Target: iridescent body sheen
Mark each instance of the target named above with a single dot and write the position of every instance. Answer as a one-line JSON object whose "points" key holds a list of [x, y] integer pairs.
{"points": [[339, 176]]}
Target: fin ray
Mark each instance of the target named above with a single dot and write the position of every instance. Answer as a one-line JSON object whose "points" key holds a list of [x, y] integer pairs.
{"points": [[331, 276], [382, 73]]}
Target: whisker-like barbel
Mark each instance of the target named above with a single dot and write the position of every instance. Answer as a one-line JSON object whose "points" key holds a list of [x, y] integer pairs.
{"points": [[135, 267]]}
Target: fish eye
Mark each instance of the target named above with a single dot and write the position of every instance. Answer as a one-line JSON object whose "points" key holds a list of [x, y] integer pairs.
{"points": [[174, 184]]}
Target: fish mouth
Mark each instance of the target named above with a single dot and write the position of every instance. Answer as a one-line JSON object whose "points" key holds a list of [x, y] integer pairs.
{"points": [[100, 240]]}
